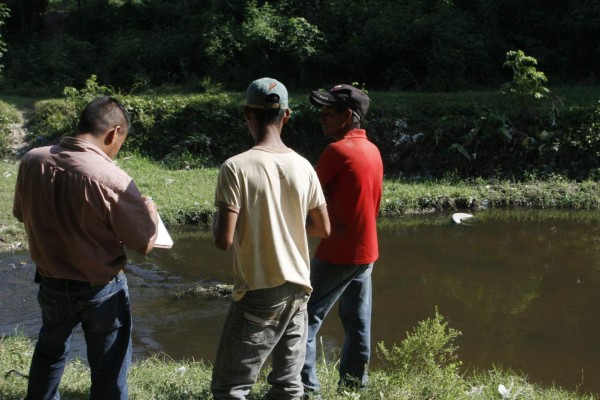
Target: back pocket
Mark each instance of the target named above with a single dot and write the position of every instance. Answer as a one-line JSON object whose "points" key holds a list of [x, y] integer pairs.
{"points": [[51, 313], [105, 314], [261, 325]]}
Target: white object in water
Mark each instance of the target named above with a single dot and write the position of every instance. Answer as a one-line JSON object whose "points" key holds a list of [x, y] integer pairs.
{"points": [[457, 218], [504, 391]]}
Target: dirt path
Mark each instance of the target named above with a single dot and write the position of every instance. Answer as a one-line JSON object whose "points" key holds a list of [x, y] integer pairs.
{"points": [[17, 134]]}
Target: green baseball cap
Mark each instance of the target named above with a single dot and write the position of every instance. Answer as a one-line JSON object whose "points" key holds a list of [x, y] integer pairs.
{"points": [[267, 94]]}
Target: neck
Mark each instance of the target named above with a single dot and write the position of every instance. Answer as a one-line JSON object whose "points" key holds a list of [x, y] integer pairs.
{"points": [[343, 133], [99, 142], [88, 137], [271, 137]]}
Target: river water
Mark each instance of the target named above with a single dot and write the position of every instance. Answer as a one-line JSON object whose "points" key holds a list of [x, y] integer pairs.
{"points": [[522, 287]]}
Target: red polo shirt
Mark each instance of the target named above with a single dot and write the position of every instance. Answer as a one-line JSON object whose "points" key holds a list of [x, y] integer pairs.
{"points": [[351, 173]]}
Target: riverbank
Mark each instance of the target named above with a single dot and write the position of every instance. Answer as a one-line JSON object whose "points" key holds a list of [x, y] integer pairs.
{"points": [[423, 366], [185, 196]]}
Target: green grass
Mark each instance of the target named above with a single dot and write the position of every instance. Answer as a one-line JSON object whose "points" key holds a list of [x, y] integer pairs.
{"points": [[12, 234], [182, 196], [18, 102], [403, 197], [9, 113], [423, 365], [186, 196]]}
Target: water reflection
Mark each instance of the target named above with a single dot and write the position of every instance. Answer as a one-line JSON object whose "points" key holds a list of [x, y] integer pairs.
{"points": [[520, 286]]}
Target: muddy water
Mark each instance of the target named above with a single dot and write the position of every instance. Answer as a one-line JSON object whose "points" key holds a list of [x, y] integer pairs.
{"points": [[522, 287]]}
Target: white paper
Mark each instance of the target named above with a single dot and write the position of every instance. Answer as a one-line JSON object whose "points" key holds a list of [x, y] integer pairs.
{"points": [[163, 240]]}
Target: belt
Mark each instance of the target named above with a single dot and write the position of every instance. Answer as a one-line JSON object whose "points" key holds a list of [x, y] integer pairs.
{"points": [[72, 282]]}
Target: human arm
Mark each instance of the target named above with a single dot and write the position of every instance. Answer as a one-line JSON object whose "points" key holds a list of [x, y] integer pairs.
{"points": [[154, 215], [17, 210], [227, 201], [132, 217], [317, 222], [328, 165], [223, 227]]}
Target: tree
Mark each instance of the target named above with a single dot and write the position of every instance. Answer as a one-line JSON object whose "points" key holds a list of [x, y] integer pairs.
{"points": [[252, 39], [527, 82], [4, 14], [27, 15]]}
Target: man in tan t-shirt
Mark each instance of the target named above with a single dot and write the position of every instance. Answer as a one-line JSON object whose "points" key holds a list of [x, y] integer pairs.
{"points": [[269, 198]]}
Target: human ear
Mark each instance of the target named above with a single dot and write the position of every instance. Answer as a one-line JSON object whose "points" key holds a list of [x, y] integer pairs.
{"points": [[112, 135], [348, 114], [247, 113], [286, 115]]}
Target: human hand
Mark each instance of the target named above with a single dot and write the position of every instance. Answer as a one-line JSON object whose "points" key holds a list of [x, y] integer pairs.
{"points": [[150, 204], [214, 224]]}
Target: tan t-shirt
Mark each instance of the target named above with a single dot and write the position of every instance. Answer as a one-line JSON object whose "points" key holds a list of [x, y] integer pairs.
{"points": [[79, 209], [272, 191]]}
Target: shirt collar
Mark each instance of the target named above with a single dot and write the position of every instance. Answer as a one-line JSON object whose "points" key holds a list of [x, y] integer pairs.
{"points": [[72, 143], [355, 133]]}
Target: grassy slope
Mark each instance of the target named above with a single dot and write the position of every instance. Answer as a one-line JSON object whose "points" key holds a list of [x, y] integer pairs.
{"points": [[186, 196]]}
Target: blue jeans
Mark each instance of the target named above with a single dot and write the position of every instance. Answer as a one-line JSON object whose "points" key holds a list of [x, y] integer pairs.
{"points": [[265, 321], [105, 316], [351, 284]]}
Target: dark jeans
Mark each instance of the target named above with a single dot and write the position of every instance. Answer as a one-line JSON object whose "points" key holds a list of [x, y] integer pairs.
{"points": [[351, 284], [105, 316]]}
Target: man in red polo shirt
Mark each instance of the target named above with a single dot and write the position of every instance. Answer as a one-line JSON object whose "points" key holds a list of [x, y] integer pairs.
{"points": [[351, 173]]}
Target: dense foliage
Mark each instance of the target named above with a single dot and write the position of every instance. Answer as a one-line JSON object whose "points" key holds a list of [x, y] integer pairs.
{"points": [[390, 45], [512, 134], [4, 13]]}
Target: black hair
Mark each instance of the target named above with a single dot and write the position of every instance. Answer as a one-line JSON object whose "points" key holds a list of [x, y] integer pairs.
{"points": [[268, 117], [101, 114]]}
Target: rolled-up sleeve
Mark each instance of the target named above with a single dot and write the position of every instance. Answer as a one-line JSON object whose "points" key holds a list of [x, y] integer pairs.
{"points": [[228, 192], [130, 218]]}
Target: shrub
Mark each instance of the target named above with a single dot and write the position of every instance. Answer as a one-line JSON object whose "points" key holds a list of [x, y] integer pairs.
{"points": [[426, 360], [4, 14], [51, 120], [429, 348], [55, 118], [483, 134], [576, 149], [8, 117], [208, 126]]}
